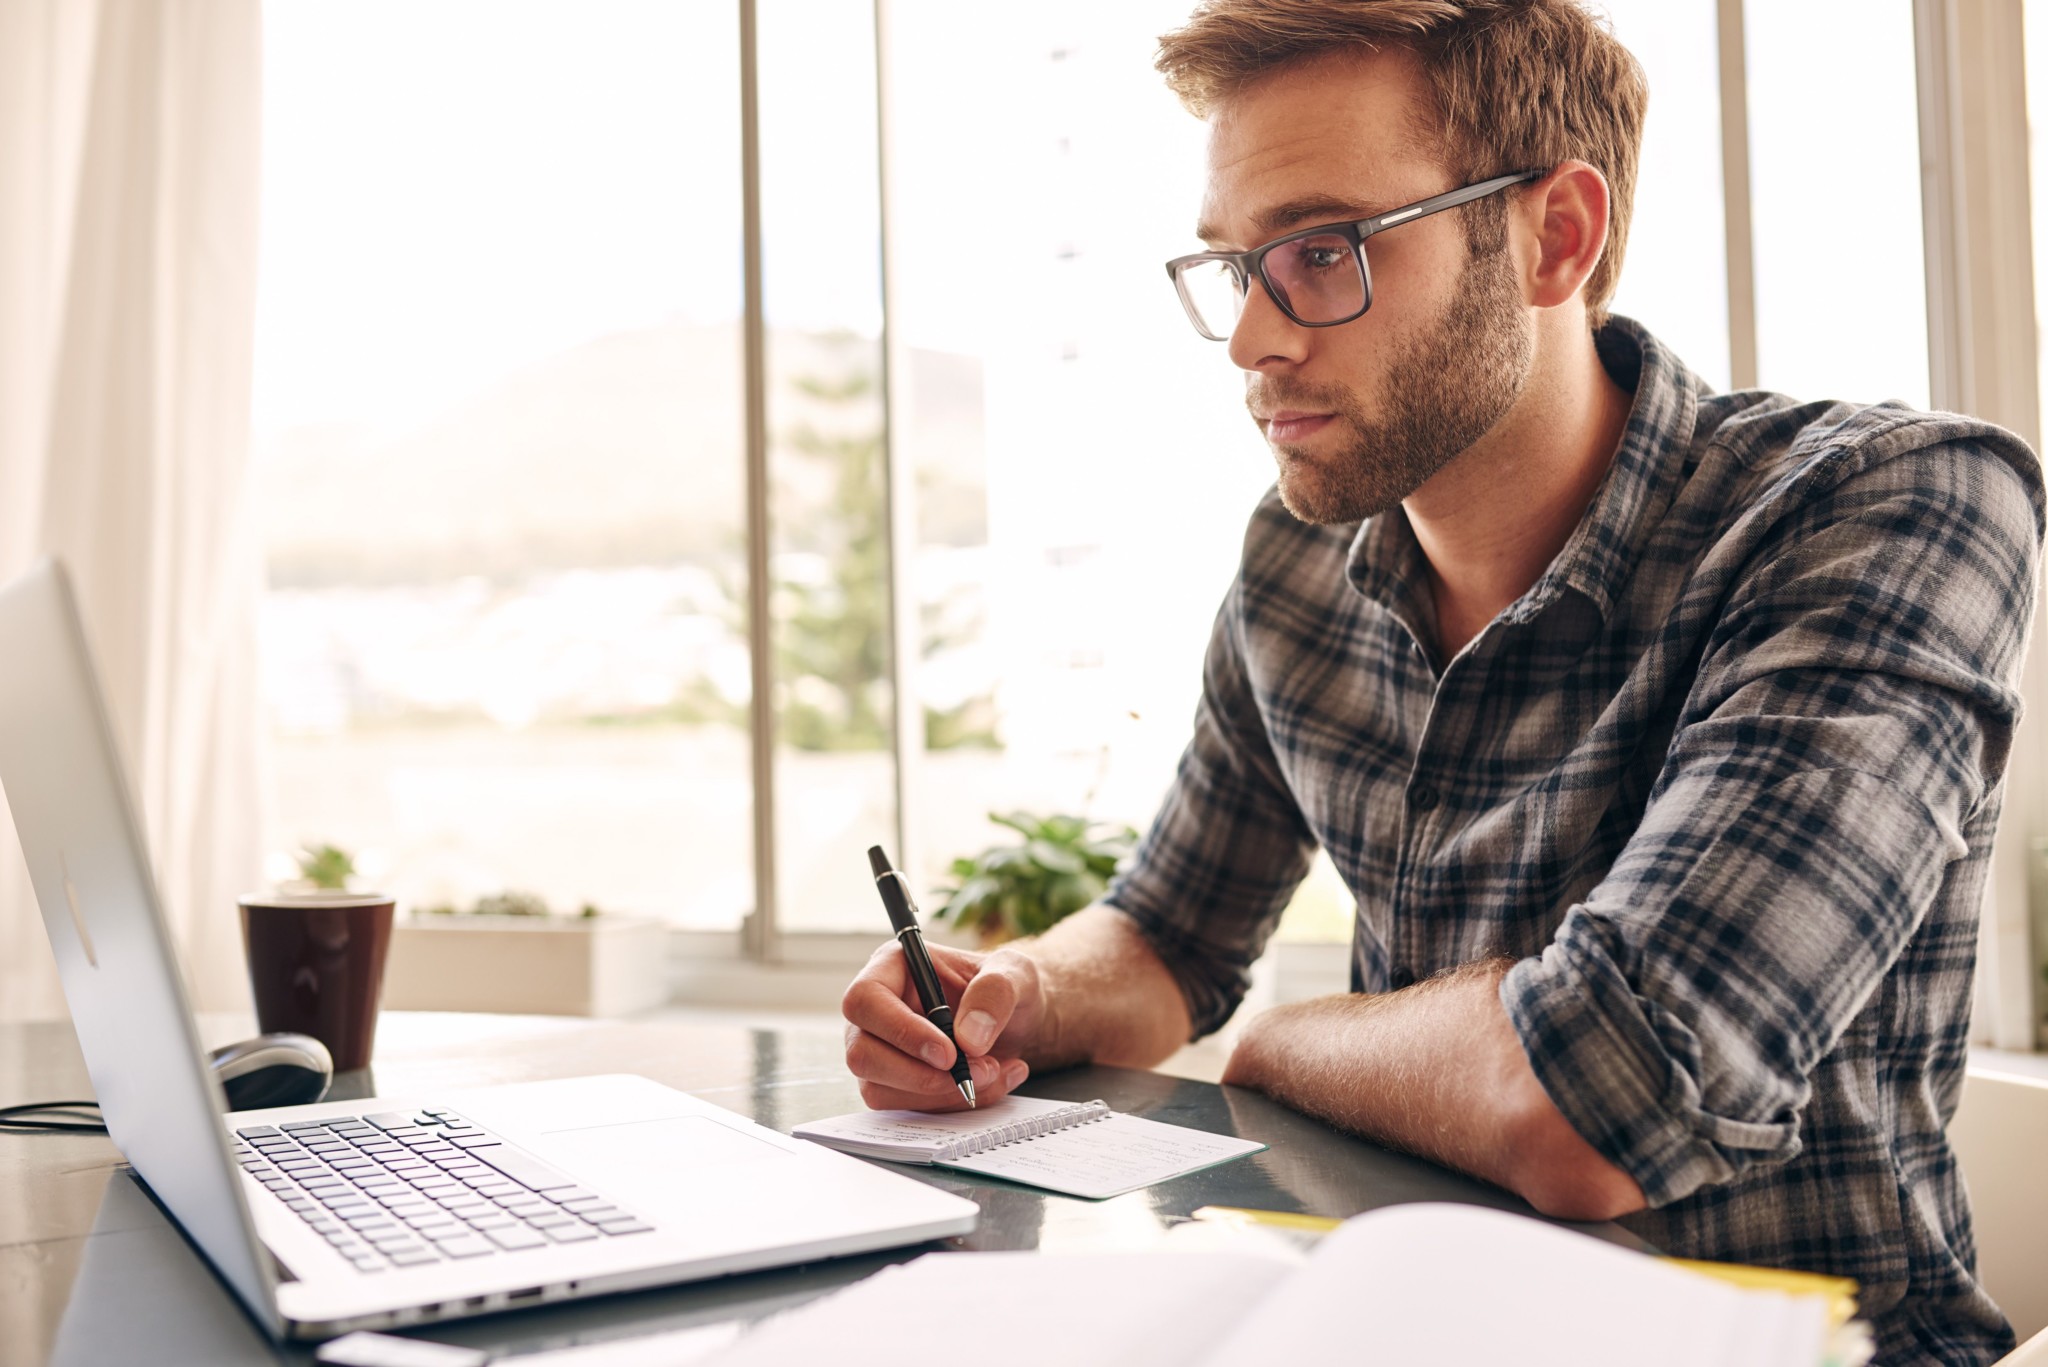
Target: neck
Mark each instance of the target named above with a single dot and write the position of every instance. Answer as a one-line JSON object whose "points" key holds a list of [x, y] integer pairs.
{"points": [[1492, 520]]}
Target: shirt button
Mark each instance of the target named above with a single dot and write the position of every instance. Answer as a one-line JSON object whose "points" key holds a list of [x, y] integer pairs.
{"points": [[1422, 797], [1402, 976]]}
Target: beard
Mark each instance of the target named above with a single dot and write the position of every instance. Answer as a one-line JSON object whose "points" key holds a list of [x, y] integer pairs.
{"points": [[1446, 389]]}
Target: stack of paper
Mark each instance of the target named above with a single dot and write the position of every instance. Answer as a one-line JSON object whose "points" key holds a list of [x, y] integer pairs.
{"points": [[1408, 1285]]}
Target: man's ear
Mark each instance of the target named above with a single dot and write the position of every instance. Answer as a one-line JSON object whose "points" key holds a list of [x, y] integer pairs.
{"points": [[1566, 218]]}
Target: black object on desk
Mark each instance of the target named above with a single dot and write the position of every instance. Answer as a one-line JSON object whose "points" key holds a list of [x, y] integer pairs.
{"points": [[895, 892]]}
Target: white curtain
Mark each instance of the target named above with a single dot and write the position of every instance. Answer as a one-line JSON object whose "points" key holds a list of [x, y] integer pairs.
{"points": [[128, 213]]}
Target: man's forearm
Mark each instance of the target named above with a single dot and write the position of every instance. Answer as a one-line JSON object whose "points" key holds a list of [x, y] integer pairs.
{"points": [[1109, 998], [1435, 1070]]}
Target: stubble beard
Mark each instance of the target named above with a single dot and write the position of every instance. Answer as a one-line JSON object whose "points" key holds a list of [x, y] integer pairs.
{"points": [[1447, 389]]}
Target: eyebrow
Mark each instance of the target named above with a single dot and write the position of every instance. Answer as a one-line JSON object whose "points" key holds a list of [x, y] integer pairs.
{"points": [[1308, 209]]}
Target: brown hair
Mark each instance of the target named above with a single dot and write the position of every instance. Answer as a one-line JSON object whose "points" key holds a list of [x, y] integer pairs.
{"points": [[1518, 84]]}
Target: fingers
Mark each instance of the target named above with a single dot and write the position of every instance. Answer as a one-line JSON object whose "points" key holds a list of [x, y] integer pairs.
{"points": [[1004, 1077], [874, 1002], [873, 1061]]}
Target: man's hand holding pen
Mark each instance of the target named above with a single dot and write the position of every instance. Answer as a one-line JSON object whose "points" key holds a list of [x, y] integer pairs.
{"points": [[902, 1059]]}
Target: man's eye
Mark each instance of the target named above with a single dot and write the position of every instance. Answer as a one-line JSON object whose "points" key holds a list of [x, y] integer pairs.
{"points": [[1324, 258]]}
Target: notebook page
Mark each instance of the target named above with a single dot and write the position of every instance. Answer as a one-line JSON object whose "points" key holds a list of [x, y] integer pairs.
{"points": [[1107, 1157], [1443, 1283], [919, 1136], [1019, 1310]]}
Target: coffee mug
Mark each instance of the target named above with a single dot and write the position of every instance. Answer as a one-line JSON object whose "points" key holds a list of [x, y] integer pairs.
{"points": [[316, 966]]}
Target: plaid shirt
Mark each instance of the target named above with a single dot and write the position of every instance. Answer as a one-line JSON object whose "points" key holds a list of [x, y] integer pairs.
{"points": [[1722, 783]]}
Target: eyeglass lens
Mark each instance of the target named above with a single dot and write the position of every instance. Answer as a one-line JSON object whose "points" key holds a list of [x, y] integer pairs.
{"points": [[1318, 279]]}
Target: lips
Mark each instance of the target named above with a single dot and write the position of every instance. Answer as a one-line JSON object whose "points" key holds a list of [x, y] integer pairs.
{"points": [[1288, 424]]}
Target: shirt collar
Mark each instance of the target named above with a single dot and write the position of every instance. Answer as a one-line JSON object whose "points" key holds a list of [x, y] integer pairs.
{"points": [[1386, 564]]}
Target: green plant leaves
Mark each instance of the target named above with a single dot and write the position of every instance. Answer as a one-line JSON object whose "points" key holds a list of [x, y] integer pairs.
{"points": [[1063, 864]]}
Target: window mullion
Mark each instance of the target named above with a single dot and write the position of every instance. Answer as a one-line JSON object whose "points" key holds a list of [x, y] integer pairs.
{"points": [[760, 936]]}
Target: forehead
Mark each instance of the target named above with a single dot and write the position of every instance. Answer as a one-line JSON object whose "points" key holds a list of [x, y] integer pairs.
{"points": [[1348, 128]]}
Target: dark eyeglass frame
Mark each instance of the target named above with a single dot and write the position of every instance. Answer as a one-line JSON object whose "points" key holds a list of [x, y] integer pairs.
{"points": [[1246, 264]]}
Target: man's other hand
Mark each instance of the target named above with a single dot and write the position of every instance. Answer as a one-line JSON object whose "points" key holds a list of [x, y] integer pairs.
{"points": [[902, 1059]]}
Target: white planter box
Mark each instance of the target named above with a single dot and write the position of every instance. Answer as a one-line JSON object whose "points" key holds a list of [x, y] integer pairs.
{"points": [[604, 966]]}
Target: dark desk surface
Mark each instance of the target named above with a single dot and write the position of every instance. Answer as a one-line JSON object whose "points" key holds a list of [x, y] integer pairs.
{"points": [[92, 1272]]}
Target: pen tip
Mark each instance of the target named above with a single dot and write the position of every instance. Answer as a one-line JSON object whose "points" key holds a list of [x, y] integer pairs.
{"points": [[967, 1090], [877, 861]]}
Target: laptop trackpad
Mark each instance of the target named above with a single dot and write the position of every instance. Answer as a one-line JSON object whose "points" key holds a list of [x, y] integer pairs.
{"points": [[667, 1149]]}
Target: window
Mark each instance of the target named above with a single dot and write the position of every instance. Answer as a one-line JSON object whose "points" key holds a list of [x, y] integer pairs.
{"points": [[1834, 148], [499, 450]]}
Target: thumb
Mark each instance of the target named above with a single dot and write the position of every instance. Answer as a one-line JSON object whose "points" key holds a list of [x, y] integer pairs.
{"points": [[987, 1004]]}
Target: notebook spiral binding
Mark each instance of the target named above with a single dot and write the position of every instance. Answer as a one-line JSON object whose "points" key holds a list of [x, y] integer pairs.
{"points": [[981, 1141]]}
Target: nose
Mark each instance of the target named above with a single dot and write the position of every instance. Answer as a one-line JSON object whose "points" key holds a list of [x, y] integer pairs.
{"points": [[1264, 335]]}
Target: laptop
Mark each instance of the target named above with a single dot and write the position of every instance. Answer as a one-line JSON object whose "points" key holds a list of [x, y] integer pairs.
{"points": [[370, 1214]]}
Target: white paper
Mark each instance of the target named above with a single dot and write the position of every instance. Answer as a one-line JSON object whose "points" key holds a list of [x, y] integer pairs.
{"points": [[1107, 1157], [918, 1136], [1019, 1310], [1418, 1284], [1461, 1284]]}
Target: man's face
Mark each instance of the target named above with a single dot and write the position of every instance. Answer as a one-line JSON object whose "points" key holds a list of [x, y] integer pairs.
{"points": [[1361, 415]]}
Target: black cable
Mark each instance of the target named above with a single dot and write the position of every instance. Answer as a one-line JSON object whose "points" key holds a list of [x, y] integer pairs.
{"points": [[11, 1117]]}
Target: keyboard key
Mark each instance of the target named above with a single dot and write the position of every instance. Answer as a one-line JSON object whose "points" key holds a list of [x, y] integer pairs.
{"points": [[571, 1232], [257, 1131], [414, 1258], [463, 1170], [490, 1219], [524, 1169], [562, 1196], [464, 1246], [413, 1139], [497, 1188], [514, 1237], [550, 1219], [528, 1205], [599, 1214], [425, 1118], [368, 1263], [389, 1120], [470, 1141], [626, 1227]]}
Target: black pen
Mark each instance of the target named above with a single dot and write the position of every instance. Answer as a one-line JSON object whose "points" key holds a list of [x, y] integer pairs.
{"points": [[895, 890]]}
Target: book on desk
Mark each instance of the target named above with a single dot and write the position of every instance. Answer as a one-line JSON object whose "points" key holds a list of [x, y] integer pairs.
{"points": [[1406, 1285]]}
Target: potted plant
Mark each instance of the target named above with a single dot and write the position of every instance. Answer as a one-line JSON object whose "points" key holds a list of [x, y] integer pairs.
{"points": [[511, 952], [1058, 866]]}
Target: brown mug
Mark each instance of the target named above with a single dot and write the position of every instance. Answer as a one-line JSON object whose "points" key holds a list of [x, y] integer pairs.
{"points": [[316, 966]]}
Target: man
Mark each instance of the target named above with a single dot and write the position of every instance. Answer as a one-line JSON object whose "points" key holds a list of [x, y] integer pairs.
{"points": [[1658, 732]]}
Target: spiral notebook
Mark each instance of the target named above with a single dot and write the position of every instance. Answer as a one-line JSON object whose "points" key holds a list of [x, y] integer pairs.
{"points": [[1079, 1148]]}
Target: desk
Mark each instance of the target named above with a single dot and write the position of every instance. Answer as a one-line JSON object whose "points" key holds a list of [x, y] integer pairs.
{"points": [[91, 1272]]}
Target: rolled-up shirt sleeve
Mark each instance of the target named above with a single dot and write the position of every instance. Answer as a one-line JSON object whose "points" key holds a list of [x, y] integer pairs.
{"points": [[1853, 711], [1227, 849]]}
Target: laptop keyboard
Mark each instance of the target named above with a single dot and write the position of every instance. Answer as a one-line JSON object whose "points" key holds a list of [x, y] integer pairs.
{"points": [[399, 1189]]}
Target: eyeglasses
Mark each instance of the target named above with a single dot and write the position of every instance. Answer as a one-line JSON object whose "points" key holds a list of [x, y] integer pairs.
{"points": [[1317, 277]]}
